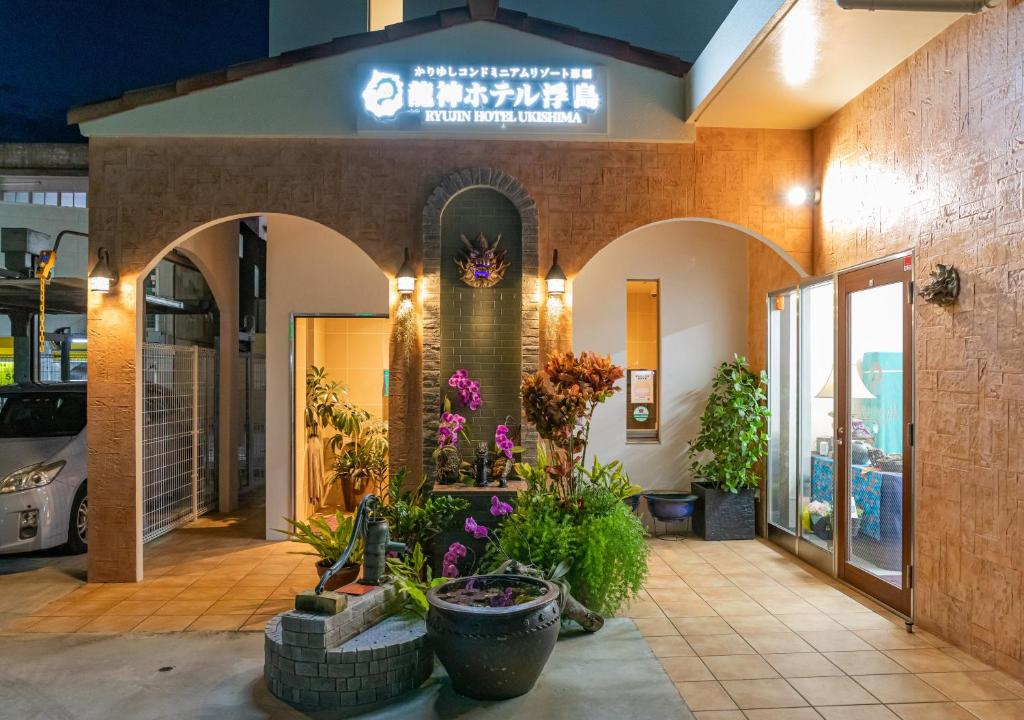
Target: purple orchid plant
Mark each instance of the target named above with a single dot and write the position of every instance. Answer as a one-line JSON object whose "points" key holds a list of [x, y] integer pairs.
{"points": [[457, 551], [469, 389]]}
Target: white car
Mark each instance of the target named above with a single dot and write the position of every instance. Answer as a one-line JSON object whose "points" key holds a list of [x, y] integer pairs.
{"points": [[43, 455]]}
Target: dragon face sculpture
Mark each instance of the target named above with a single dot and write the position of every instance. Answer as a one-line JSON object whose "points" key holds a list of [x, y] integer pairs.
{"points": [[944, 286], [483, 265]]}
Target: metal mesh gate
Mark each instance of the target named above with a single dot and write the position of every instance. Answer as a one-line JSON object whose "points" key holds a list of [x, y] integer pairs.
{"points": [[252, 397], [179, 436]]}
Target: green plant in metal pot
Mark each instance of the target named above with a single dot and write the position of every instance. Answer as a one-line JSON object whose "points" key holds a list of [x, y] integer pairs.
{"points": [[733, 435]]}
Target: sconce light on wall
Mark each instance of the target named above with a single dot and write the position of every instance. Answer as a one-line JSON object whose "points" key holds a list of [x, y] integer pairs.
{"points": [[800, 195], [102, 277], [555, 278], [406, 279]]}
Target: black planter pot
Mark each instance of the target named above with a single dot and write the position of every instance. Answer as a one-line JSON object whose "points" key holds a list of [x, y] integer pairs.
{"points": [[723, 515], [494, 653]]}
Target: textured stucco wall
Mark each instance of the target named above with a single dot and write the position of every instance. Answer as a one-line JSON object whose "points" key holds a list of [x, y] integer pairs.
{"points": [[147, 193], [929, 158]]}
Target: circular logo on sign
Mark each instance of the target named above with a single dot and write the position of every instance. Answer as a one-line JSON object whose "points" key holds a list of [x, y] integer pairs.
{"points": [[641, 413], [382, 96]]}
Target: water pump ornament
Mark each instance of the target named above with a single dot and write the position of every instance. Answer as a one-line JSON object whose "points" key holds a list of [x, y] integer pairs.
{"points": [[377, 543]]}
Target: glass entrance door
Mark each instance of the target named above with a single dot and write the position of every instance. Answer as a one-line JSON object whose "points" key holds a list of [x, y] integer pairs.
{"points": [[873, 458]]}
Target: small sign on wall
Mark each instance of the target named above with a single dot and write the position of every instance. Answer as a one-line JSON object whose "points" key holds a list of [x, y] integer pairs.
{"points": [[545, 98], [642, 406], [641, 386]]}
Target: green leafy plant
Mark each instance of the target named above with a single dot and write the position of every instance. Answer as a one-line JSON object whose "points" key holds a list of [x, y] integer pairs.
{"points": [[414, 516], [326, 542], [594, 539], [413, 579], [360, 458], [611, 476], [733, 434]]}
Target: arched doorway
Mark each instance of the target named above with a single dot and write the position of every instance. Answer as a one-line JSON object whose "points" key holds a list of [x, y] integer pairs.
{"points": [[307, 270], [669, 301]]}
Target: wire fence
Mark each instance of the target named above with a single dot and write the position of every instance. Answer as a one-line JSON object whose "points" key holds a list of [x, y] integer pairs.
{"points": [[179, 436]]}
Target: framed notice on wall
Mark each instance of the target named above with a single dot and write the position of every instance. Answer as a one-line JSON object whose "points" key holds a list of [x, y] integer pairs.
{"points": [[642, 405]]}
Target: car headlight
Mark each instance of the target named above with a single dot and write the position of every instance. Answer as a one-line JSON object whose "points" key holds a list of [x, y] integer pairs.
{"points": [[31, 477]]}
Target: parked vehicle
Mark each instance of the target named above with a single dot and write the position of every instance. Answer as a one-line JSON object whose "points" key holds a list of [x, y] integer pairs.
{"points": [[43, 501]]}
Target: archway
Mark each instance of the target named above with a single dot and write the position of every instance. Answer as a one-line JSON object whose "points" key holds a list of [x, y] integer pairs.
{"points": [[310, 270], [710, 280]]}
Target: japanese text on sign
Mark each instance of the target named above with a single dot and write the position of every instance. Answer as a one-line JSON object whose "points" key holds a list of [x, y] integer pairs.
{"points": [[484, 94]]}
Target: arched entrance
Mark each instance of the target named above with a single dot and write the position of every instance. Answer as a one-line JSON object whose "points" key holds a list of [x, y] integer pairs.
{"points": [[669, 301], [306, 270]]}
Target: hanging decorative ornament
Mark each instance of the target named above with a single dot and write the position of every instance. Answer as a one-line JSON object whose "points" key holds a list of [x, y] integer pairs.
{"points": [[483, 265], [944, 286]]}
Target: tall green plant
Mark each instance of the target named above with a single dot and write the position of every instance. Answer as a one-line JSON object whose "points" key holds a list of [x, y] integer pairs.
{"points": [[733, 434], [326, 542]]}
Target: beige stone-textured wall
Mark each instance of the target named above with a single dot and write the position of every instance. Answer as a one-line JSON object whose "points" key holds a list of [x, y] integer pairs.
{"points": [[930, 158], [146, 193]]}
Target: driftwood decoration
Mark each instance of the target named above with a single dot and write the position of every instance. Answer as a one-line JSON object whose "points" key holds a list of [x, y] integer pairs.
{"points": [[483, 265], [944, 286]]}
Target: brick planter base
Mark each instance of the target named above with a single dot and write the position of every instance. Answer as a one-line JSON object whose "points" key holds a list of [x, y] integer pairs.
{"points": [[346, 660]]}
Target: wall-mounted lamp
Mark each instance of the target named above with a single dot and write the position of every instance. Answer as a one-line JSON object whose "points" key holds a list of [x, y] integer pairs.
{"points": [[102, 277], [406, 279], [800, 195], [555, 278]]}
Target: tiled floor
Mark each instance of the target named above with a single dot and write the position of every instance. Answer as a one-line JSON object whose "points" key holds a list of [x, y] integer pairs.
{"points": [[749, 633], [214, 574]]}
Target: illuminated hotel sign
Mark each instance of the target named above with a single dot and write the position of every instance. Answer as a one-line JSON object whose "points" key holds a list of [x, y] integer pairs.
{"points": [[527, 97]]}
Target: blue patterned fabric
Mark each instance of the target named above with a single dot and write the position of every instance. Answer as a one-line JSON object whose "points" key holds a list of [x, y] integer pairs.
{"points": [[867, 491]]}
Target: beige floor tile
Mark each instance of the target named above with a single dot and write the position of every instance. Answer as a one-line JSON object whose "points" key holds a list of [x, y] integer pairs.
{"points": [[670, 646], [777, 642], [738, 607], [923, 660], [997, 710], [165, 623], [834, 640], [90, 608], [275, 606], [59, 624], [739, 667], [857, 712], [184, 607], [655, 627], [54, 608], [865, 662], [262, 579], [192, 593], [805, 622], [903, 688], [931, 711], [754, 624], [832, 691], [707, 695], [706, 645], [755, 694], [21, 624], [643, 609], [136, 607], [968, 686], [112, 624], [256, 622], [803, 713], [685, 669], [157, 594], [210, 623], [867, 621], [691, 607], [798, 665], [233, 607], [893, 639], [240, 592], [970, 663], [702, 626], [665, 581], [720, 715]]}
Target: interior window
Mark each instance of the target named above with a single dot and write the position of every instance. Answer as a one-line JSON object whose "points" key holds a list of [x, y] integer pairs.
{"points": [[643, 355]]}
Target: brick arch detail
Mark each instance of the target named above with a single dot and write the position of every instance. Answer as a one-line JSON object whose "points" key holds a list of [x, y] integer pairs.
{"points": [[437, 201]]}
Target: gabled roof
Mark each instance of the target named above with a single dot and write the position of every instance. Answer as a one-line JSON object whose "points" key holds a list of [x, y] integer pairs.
{"points": [[474, 11]]}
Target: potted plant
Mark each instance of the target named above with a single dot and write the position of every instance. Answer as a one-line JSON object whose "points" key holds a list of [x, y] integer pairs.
{"points": [[328, 543], [733, 438], [360, 454]]}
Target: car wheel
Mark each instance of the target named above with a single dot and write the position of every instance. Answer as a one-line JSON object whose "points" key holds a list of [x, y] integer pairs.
{"points": [[79, 522]]}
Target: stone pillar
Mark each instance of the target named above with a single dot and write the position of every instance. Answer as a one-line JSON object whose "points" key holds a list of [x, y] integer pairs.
{"points": [[22, 337], [115, 495]]}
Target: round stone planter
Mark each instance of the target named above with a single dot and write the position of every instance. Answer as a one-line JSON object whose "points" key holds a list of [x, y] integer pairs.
{"points": [[494, 653]]}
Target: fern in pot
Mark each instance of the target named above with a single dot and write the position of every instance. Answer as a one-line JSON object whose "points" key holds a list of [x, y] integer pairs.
{"points": [[733, 439]]}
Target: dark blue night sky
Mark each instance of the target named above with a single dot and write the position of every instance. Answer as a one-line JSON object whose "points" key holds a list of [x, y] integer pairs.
{"points": [[59, 53]]}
